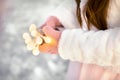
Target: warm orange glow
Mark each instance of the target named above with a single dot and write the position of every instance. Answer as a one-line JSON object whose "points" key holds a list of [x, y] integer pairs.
{"points": [[49, 40]]}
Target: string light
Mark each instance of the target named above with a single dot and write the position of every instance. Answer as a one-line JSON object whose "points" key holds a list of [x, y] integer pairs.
{"points": [[36, 39]]}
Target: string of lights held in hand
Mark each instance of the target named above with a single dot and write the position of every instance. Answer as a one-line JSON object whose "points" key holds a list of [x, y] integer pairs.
{"points": [[35, 39]]}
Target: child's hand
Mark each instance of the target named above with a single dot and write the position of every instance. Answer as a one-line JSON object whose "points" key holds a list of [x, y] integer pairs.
{"points": [[49, 28], [54, 35], [52, 21], [45, 40]]}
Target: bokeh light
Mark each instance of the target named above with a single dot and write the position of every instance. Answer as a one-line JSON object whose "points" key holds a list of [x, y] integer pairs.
{"points": [[16, 62]]}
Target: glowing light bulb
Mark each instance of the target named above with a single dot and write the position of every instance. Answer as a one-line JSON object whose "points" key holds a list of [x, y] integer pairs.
{"points": [[26, 36], [34, 33], [35, 52], [32, 27], [27, 41], [31, 45], [39, 40], [47, 39]]}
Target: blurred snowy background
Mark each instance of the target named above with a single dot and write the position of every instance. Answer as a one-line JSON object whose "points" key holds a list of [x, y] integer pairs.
{"points": [[16, 63]]}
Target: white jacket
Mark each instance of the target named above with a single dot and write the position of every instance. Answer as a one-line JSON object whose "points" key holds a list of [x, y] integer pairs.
{"points": [[100, 47]]}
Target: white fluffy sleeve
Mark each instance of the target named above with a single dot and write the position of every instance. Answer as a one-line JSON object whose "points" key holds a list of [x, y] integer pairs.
{"points": [[95, 47]]}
